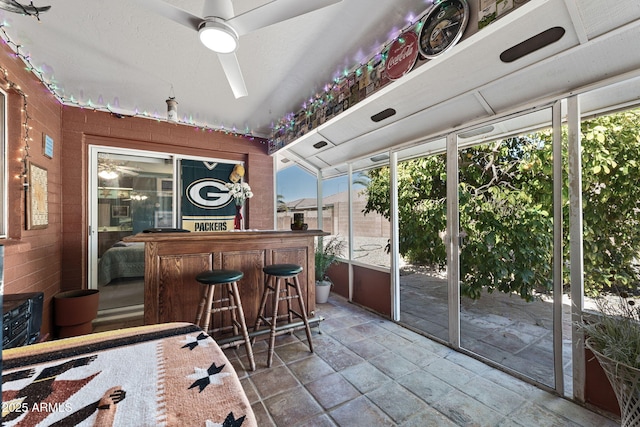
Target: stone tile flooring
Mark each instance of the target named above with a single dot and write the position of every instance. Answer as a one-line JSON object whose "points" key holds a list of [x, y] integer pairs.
{"points": [[501, 327], [368, 371]]}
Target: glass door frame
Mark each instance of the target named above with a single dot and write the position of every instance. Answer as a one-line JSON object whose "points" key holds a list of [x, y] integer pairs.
{"points": [[453, 237], [92, 241]]}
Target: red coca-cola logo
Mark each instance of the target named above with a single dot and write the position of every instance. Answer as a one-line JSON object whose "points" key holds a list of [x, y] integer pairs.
{"points": [[402, 55]]}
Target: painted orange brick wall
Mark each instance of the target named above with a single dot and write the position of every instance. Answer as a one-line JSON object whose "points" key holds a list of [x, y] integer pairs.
{"points": [[32, 260], [54, 259]]}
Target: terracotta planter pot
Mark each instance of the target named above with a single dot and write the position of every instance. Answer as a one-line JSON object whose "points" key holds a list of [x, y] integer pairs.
{"points": [[74, 312]]}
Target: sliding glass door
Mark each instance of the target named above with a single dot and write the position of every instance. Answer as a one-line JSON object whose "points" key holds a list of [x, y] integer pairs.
{"points": [[505, 189], [130, 191]]}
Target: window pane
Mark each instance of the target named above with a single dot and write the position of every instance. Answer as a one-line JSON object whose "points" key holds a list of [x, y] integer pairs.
{"points": [[297, 192], [371, 230]]}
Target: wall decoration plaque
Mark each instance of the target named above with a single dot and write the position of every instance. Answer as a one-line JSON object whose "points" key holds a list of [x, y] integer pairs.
{"points": [[402, 55], [37, 198]]}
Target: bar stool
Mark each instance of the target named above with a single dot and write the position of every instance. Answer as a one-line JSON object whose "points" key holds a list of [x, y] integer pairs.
{"points": [[277, 273], [230, 302]]}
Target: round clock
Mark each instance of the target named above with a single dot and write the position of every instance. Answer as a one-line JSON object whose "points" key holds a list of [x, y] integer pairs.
{"points": [[442, 27]]}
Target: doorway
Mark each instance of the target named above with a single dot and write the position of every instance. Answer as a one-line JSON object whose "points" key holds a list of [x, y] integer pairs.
{"points": [[130, 191]]}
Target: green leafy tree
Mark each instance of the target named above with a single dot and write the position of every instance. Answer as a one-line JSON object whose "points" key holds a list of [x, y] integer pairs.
{"points": [[611, 201], [506, 195]]}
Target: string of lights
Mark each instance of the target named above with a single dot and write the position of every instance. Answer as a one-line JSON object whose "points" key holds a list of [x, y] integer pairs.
{"points": [[89, 105], [26, 137], [318, 100]]}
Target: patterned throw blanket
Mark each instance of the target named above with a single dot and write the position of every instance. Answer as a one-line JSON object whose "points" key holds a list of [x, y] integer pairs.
{"points": [[157, 375]]}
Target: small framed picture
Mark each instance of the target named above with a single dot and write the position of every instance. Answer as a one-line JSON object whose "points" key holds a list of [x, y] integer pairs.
{"points": [[118, 211], [47, 146]]}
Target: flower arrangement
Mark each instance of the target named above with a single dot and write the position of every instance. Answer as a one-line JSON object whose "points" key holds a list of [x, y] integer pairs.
{"points": [[240, 191]]}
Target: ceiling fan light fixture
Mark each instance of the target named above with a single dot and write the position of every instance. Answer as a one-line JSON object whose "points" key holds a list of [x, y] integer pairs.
{"points": [[218, 36], [107, 174]]}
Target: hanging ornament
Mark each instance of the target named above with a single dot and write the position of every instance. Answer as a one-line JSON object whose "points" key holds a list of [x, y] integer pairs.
{"points": [[172, 109]]}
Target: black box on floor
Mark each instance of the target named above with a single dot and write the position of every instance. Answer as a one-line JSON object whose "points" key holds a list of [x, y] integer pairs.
{"points": [[21, 318]]}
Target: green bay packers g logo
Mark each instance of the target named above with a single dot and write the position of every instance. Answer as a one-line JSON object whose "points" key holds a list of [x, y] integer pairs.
{"points": [[208, 193]]}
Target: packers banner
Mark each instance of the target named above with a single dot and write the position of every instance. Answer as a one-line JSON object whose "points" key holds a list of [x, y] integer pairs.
{"points": [[206, 204]]}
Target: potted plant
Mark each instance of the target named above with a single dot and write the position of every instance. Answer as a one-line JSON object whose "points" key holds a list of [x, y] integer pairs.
{"points": [[613, 336], [326, 254]]}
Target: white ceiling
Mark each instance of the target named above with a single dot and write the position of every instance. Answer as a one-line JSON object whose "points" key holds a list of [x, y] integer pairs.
{"points": [[115, 54]]}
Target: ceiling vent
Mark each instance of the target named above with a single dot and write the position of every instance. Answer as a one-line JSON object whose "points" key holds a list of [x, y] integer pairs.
{"points": [[476, 132], [536, 42], [285, 160], [384, 114], [379, 158], [320, 144]]}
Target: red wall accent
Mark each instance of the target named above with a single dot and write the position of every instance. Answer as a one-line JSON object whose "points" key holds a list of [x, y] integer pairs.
{"points": [[598, 390], [371, 288]]}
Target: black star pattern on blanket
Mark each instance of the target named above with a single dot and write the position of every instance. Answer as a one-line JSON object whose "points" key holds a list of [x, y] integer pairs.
{"points": [[192, 343], [203, 377], [231, 421]]}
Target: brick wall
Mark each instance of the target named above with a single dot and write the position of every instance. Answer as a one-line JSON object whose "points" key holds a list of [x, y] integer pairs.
{"points": [[32, 260], [55, 258]]}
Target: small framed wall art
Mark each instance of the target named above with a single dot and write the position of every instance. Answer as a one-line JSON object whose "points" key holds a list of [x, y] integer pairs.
{"points": [[119, 211], [37, 198], [47, 146]]}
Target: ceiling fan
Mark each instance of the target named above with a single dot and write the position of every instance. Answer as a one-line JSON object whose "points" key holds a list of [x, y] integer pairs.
{"points": [[30, 9], [109, 169], [219, 29]]}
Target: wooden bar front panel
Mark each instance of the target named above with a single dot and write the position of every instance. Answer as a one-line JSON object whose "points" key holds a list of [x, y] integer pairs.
{"points": [[172, 261]]}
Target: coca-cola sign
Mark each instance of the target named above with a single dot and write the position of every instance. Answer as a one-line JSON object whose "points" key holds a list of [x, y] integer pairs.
{"points": [[402, 55]]}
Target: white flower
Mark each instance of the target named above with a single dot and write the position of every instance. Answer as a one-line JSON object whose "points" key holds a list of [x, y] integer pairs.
{"points": [[239, 191]]}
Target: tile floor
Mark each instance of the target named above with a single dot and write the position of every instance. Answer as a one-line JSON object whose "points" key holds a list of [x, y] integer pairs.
{"points": [[368, 371]]}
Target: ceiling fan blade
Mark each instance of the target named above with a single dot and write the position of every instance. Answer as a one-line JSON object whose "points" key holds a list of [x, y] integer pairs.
{"points": [[274, 12], [172, 13], [232, 70]]}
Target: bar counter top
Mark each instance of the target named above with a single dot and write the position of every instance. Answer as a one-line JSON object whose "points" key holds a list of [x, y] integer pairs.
{"points": [[222, 235]]}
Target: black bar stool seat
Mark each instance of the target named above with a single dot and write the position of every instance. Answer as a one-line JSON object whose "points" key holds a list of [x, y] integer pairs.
{"points": [[275, 274], [229, 301], [217, 277], [282, 270]]}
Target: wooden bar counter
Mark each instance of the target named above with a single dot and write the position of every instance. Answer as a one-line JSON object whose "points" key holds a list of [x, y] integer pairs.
{"points": [[172, 260]]}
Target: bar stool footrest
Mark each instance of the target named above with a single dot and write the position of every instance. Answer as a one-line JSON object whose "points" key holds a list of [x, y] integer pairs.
{"points": [[314, 321]]}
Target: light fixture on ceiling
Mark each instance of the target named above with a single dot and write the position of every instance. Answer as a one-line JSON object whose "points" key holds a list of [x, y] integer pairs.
{"points": [[107, 169], [218, 36], [138, 197], [108, 174], [172, 109]]}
